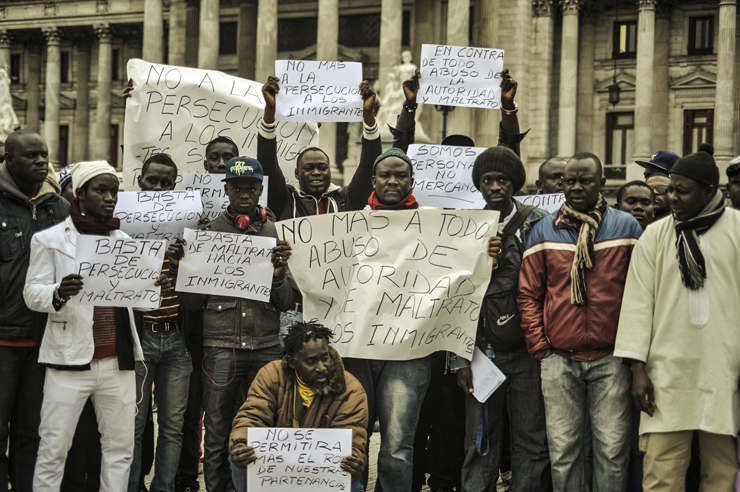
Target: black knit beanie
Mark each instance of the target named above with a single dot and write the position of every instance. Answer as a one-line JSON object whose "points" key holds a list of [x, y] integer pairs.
{"points": [[699, 166], [502, 160]]}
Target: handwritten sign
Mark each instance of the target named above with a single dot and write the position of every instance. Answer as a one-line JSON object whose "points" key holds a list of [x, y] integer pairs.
{"points": [[461, 76], [158, 214], [179, 110], [299, 459], [394, 285], [118, 272], [225, 264], [318, 91], [444, 176], [550, 202], [212, 193]]}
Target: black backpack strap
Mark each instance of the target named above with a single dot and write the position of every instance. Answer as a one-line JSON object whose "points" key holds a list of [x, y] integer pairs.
{"points": [[518, 219]]}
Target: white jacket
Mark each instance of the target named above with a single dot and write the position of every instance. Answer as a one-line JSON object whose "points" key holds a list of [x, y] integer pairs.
{"points": [[68, 339]]}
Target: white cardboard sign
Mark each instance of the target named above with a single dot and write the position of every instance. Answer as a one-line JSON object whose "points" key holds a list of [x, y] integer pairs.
{"points": [[178, 110], [461, 76], [118, 272], [305, 460], [158, 214], [444, 176], [212, 193], [394, 285], [550, 202], [226, 264], [318, 91]]}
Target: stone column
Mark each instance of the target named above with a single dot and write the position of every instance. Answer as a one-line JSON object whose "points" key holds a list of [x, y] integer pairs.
{"points": [[177, 35], [208, 34], [584, 126], [644, 88], [327, 49], [82, 104], [541, 81], [247, 40], [101, 150], [486, 120], [725, 93], [33, 57], [391, 32], [51, 103], [267, 20], [568, 80], [660, 80], [458, 27], [5, 39], [153, 51]]}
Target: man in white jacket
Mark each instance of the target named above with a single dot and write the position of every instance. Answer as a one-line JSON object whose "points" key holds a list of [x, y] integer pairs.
{"points": [[88, 351]]}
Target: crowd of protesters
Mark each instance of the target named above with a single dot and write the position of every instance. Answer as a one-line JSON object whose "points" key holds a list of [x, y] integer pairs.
{"points": [[613, 325]]}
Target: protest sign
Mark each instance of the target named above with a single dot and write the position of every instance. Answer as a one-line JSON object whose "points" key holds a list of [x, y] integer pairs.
{"points": [[444, 176], [394, 285], [306, 460], [225, 264], [550, 202], [158, 214], [118, 272], [212, 193], [318, 91], [179, 110], [461, 76]]}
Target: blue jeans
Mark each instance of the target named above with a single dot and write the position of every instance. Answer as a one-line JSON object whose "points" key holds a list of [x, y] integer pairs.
{"points": [[167, 364], [530, 462], [21, 395], [239, 477], [225, 371], [600, 388], [395, 391]]}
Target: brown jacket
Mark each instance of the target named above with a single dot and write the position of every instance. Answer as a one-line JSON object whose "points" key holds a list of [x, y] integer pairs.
{"points": [[270, 404]]}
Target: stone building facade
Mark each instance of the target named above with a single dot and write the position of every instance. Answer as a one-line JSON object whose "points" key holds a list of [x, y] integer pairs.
{"points": [[675, 62]]}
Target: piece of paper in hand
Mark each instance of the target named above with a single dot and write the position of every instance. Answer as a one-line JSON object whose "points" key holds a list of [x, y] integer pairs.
{"points": [[486, 376]]}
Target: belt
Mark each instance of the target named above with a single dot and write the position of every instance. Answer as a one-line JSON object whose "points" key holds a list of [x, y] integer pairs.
{"points": [[159, 327]]}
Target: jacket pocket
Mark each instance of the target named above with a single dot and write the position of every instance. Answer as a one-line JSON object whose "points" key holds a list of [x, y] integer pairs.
{"points": [[219, 317], [58, 333], [11, 239]]}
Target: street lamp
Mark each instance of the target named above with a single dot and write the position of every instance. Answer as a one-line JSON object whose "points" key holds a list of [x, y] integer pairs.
{"points": [[445, 110]]}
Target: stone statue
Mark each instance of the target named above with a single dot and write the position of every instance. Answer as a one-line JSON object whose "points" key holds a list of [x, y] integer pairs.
{"points": [[8, 119], [391, 97]]}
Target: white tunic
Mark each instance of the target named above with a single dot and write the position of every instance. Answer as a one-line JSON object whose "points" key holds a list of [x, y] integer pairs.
{"points": [[690, 340]]}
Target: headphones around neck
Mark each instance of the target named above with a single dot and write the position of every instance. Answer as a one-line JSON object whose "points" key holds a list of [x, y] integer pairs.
{"points": [[242, 221]]}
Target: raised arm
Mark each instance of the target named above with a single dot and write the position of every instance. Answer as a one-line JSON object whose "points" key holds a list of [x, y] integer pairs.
{"points": [[360, 188], [277, 188]]}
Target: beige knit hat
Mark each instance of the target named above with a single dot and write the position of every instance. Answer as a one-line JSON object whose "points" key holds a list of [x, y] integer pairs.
{"points": [[85, 171]]}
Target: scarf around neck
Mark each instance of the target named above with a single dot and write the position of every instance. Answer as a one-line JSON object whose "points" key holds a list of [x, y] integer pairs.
{"points": [[586, 223], [407, 203], [86, 225], [690, 258]]}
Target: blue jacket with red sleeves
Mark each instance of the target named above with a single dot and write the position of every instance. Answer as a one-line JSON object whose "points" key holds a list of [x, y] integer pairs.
{"points": [[549, 320]]}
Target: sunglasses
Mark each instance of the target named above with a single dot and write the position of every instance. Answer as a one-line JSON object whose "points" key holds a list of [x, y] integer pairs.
{"points": [[660, 190]]}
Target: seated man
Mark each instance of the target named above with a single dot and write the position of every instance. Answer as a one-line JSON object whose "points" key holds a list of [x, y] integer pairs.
{"points": [[330, 396]]}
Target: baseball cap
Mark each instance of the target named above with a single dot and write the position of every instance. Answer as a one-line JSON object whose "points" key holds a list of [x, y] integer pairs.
{"points": [[664, 159], [243, 167], [734, 167]]}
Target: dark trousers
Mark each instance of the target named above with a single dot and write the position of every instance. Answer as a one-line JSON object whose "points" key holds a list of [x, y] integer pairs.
{"points": [[21, 395], [187, 471], [438, 443], [82, 468]]}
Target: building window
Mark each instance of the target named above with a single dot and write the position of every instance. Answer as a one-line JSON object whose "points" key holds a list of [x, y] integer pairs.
{"points": [[620, 139], [116, 65], [298, 33], [15, 69], [625, 39], [113, 146], [64, 66], [227, 38], [63, 145], [701, 35], [698, 128]]}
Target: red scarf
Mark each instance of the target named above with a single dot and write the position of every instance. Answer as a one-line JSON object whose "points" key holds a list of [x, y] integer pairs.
{"points": [[408, 203], [86, 225]]}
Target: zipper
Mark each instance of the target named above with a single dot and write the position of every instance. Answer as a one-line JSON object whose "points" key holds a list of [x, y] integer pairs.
{"points": [[34, 211]]}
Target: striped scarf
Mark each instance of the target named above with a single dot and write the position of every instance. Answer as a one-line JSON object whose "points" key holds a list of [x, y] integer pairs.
{"points": [[586, 223], [690, 259]]}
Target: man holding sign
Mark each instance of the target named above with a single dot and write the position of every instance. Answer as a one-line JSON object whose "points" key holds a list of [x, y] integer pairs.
{"points": [[309, 388], [240, 335], [89, 351]]}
